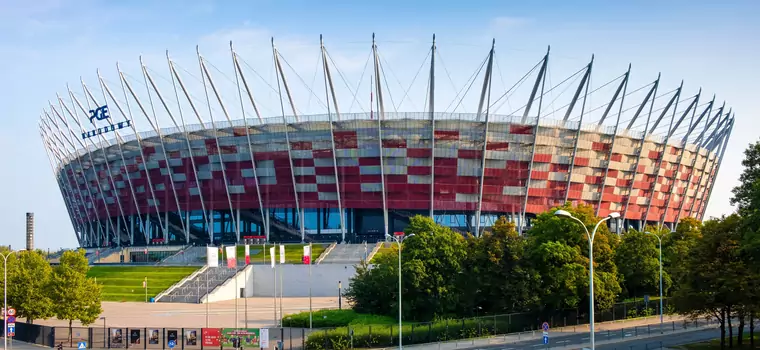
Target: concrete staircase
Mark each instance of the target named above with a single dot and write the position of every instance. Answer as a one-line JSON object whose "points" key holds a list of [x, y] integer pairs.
{"points": [[196, 287], [104, 256], [347, 254]]}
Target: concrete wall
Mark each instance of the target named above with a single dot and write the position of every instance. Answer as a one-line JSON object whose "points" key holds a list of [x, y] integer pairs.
{"points": [[295, 280], [229, 289]]}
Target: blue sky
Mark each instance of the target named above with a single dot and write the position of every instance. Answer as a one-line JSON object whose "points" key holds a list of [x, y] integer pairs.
{"points": [[46, 44]]}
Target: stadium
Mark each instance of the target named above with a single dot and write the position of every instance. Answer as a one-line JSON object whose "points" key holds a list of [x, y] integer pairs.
{"points": [[649, 153]]}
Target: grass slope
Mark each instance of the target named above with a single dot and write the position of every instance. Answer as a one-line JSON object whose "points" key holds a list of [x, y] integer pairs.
{"points": [[124, 283], [335, 318]]}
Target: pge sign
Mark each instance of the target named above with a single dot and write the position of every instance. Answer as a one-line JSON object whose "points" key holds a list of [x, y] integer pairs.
{"points": [[100, 113]]}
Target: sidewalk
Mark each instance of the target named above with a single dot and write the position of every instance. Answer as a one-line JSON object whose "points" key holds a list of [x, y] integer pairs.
{"points": [[573, 336]]}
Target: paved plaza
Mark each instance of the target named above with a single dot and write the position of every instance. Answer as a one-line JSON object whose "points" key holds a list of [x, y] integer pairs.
{"points": [[220, 314]]}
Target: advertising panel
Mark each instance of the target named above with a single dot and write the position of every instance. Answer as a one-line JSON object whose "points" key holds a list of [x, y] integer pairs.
{"points": [[211, 337], [235, 338]]}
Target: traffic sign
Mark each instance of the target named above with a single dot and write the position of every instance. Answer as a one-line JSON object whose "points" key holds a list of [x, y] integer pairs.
{"points": [[11, 311], [11, 319], [546, 339], [172, 344], [82, 345], [11, 331], [646, 298], [11, 325], [545, 326]]}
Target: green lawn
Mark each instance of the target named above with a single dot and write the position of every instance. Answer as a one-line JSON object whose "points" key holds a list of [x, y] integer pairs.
{"points": [[715, 343], [124, 283], [293, 253], [386, 248]]}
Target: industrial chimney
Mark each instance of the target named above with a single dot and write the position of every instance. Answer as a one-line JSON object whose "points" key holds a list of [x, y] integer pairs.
{"points": [[29, 231]]}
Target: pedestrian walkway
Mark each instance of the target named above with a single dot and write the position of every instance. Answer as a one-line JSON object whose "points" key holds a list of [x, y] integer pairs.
{"points": [[348, 254], [575, 337]]}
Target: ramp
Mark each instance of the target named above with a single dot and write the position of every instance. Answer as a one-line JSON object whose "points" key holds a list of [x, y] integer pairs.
{"points": [[347, 254], [186, 257]]}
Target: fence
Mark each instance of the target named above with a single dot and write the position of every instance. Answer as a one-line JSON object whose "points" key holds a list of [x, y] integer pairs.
{"points": [[335, 338]]}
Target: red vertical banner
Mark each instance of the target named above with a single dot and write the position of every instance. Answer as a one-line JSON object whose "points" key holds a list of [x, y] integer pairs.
{"points": [[231, 257], [247, 255], [306, 255]]}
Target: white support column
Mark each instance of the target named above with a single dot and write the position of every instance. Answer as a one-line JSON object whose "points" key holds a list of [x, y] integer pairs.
{"points": [[585, 82], [485, 98], [684, 143], [624, 86], [665, 146], [718, 132], [693, 163], [540, 81], [380, 117], [431, 107], [73, 154], [104, 87], [239, 73], [706, 200], [157, 128], [131, 230], [186, 133], [204, 75], [69, 198], [328, 93], [653, 94], [287, 136]]}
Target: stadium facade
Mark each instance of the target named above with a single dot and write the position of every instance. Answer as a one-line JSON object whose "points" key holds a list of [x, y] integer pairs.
{"points": [[357, 176]]}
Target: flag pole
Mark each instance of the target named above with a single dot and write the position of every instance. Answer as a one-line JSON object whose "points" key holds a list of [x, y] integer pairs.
{"points": [[310, 309], [274, 284], [282, 261], [237, 290]]}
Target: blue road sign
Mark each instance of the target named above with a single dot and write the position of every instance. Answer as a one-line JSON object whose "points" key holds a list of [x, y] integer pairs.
{"points": [[172, 344], [546, 339], [646, 298], [11, 329], [545, 326], [82, 345], [11, 319]]}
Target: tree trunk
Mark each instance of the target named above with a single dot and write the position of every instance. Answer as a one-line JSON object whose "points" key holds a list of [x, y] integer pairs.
{"points": [[71, 335], [723, 329], [752, 330], [740, 338], [730, 328]]}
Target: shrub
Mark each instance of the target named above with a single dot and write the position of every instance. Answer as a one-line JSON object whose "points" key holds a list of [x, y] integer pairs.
{"points": [[372, 336], [334, 318]]}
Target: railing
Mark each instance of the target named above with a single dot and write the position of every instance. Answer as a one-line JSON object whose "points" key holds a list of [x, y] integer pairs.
{"points": [[324, 254], [181, 282]]}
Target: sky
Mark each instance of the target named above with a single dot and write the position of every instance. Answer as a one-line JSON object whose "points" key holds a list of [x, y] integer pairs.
{"points": [[47, 44]]}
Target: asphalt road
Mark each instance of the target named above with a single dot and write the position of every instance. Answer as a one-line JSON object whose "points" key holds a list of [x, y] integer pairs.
{"points": [[628, 338]]}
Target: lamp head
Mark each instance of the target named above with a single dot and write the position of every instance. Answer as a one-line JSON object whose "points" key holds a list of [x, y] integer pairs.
{"points": [[647, 233], [563, 213], [412, 235], [613, 215]]}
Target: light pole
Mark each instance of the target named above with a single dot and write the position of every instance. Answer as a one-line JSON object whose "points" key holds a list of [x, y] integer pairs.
{"points": [[590, 237], [5, 297], [659, 239], [399, 238]]}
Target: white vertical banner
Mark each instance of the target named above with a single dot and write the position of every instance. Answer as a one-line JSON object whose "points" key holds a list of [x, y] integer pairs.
{"points": [[306, 255], [271, 255], [264, 338], [282, 253], [212, 257], [231, 256]]}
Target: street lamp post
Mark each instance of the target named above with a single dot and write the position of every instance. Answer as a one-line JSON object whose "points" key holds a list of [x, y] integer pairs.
{"points": [[5, 297], [590, 237], [398, 240], [659, 239]]}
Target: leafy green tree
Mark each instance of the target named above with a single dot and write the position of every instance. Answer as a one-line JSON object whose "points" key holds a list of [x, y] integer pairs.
{"points": [[550, 232], [77, 297], [374, 288], [637, 258], [714, 283], [676, 248], [496, 277], [431, 262], [27, 290]]}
